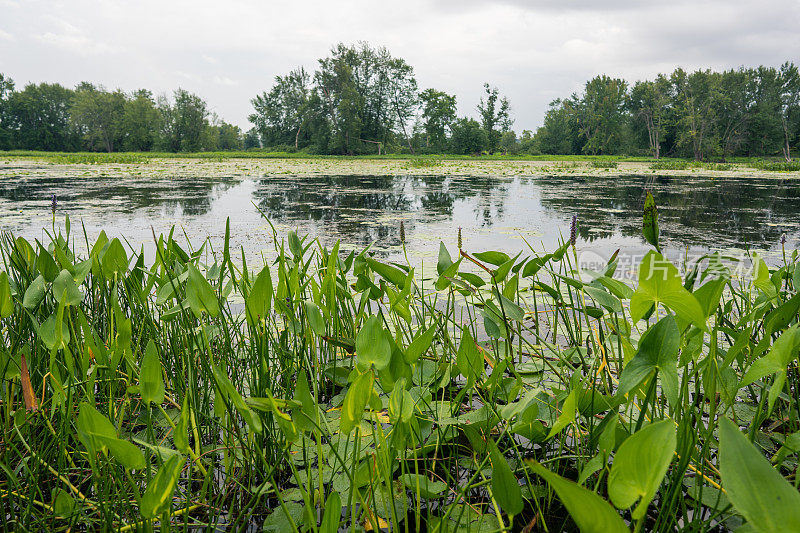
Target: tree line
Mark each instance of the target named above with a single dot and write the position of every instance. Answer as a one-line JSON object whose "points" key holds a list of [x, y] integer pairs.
{"points": [[363, 100], [51, 117], [701, 115]]}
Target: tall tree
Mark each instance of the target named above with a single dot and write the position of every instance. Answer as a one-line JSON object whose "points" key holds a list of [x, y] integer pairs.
{"points": [[183, 121], [790, 106], [402, 94], [469, 137], [602, 114], [438, 114], [97, 115], [559, 134], [281, 114], [695, 98], [140, 122], [39, 118], [6, 88], [649, 102], [495, 114]]}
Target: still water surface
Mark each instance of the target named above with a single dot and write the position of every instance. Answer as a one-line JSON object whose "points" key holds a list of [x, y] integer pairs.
{"points": [[696, 213]]}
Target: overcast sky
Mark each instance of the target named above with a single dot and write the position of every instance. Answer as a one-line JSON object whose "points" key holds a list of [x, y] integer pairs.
{"points": [[533, 50]]}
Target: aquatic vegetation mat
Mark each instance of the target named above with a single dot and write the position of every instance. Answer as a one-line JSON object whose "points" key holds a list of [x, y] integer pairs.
{"points": [[326, 391]]}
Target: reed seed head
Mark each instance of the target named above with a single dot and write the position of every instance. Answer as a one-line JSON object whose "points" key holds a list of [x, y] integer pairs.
{"points": [[459, 238], [573, 230]]}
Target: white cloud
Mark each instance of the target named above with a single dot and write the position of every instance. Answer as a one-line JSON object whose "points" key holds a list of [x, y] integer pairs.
{"points": [[224, 80], [71, 38], [533, 50], [5, 36]]}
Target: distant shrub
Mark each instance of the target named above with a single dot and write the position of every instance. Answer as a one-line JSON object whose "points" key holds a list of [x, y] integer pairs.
{"points": [[424, 162], [719, 166], [599, 163], [777, 166], [85, 158]]}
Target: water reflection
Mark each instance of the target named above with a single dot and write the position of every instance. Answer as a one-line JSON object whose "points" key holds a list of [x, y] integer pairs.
{"points": [[692, 210], [494, 212]]}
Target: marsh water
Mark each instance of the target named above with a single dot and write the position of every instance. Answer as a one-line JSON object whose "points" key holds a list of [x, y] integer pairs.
{"points": [[697, 213]]}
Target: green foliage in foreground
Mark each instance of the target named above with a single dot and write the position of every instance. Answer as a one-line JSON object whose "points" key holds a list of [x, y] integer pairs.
{"points": [[331, 390]]}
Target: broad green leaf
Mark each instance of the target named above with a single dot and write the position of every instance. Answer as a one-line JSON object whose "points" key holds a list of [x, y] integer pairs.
{"points": [[401, 403], [53, 332], [468, 359], [423, 486], [761, 278], [355, 401], [333, 512], [157, 498], [63, 503], [126, 453], [444, 261], [90, 424], [114, 260], [151, 382], [180, 436], [502, 271], [259, 301], [658, 349], [391, 274], [64, 286], [505, 486], [650, 221], [758, 491], [372, 344], [98, 434], [639, 466], [34, 293], [659, 282], [6, 303], [315, 319], [200, 294], [603, 298], [709, 294], [295, 246], [569, 410], [285, 518], [306, 416], [229, 391], [591, 513], [783, 352], [420, 345], [46, 265], [492, 257]]}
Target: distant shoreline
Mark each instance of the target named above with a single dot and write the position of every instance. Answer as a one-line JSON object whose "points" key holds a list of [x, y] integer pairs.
{"points": [[244, 164]]}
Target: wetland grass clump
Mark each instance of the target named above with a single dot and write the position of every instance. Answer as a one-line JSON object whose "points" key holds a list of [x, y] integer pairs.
{"points": [[604, 163], [776, 166], [332, 391]]}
